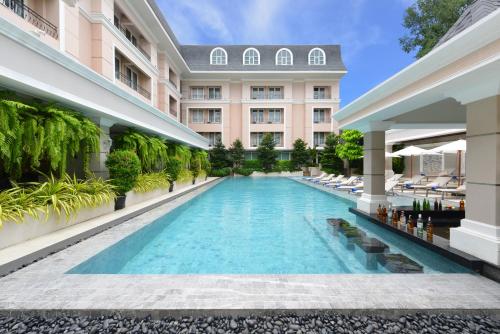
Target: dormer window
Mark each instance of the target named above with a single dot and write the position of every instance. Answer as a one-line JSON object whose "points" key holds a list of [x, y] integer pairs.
{"points": [[284, 57], [317, 57], [218, 56], [251, 56]]}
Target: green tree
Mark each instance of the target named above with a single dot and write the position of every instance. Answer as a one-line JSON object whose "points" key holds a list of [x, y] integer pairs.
{"points": [[300, 155], [266, 153], [237, 153], [124, 168], [427, 21], [330, 162], [350, 146], [219, 156]]}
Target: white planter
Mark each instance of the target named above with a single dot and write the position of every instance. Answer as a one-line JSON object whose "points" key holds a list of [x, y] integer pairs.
{"points": [[13, 233], [136, 198], [276, 174]]}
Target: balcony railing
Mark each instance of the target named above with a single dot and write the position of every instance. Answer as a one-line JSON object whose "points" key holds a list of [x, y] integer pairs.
{"points": [[135, 86], [266, 96], [123, 30], [31, 16]]}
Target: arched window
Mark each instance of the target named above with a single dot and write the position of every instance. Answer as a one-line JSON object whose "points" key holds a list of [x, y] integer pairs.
{"points": [[284, 57], [218, 56], [251, 56], [317, 57]]}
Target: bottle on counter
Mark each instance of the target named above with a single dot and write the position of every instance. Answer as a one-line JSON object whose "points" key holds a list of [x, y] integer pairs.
{"points": [[414, 204], [395, 218], [384, 213], [462, 205], [409, 228], [379, 211], [389, 216], [436, 205], [420, 226], [402, 226], [430, 231], [418, 206], [440, 206]]}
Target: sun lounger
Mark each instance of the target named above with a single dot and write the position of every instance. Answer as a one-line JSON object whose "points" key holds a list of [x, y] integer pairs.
{"points": [[334, 181], [352, 188], [309, 178], [416, 179], [395, 177], [389, 186], [459, 190], [327, 177], [439, 182], [446, 172], [348, 182]]}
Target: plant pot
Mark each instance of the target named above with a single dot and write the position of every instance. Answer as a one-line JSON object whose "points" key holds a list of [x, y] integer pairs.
{"points": [[120, 202], [171, 187], [194, 180]]}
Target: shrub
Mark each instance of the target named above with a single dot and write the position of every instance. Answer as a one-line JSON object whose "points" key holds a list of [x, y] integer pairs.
{"points": [[184, 176], [64, 196], [173, 168], [151, 181], [398, 164], [283, 166], [237, 153], [124, 168], [221, 172], [330, 162], [252, 164], [219, 155], [243, 171], [266, 153]]}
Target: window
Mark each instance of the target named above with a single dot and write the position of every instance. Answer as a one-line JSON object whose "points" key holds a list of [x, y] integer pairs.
{"points": [[197, 93], [258, 93], [213, 137], [257, 116], [317, 57], [197, 116], [256, 138], [274, 115], [214, 93], [319, 115], [284, 57], [320, 93], [218, 56], [319, 138], [275, 93], [117, 68], [17, 6], [214, 116], [278, 138], [251, 57], [117, 21], [130, 37], [132, 78]]}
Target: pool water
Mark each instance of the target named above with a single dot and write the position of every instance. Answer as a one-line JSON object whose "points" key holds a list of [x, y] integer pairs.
{"points": [[248, 225]]}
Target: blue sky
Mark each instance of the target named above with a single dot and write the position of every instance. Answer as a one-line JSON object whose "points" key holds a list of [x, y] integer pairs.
{"points": [[367, 30]]}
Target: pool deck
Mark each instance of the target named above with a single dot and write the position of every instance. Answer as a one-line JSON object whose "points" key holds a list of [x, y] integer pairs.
{"points": [[43, 287]]}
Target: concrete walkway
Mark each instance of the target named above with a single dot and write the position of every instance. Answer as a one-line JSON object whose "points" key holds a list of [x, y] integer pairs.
{"points": [[45, 288]]}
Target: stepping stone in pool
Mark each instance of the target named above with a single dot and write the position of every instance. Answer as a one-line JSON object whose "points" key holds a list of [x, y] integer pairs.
{"points": [[398, 263], [371, 245], [336, 223], [350, 235]]}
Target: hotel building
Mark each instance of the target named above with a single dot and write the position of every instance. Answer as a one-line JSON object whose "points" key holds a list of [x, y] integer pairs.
{"points": [[119, 62]]}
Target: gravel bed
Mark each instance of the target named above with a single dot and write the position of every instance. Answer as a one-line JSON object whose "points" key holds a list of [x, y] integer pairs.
{"points": [[286, 323]]}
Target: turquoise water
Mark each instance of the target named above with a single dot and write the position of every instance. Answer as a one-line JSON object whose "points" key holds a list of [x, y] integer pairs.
{"points": [[255, 226]]}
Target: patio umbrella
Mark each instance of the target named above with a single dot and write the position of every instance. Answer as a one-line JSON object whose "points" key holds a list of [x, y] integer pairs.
{"points": [[391, 155], [411, 151], [457, 147]]}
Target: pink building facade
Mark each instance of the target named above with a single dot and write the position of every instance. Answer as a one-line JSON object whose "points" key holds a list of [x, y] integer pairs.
{"points": [[119, 62]]}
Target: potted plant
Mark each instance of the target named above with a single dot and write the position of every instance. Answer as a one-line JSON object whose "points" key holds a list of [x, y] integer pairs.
{"points": [[173, 169], [124, 168], [195, 167]]}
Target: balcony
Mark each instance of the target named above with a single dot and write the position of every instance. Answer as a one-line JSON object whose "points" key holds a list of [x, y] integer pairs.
{"points": [[134, 85], [124, 30], [31, 16]]}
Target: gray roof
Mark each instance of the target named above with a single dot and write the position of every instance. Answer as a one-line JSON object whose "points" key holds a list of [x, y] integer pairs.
{"points": [[163, 21], [475, 12], [198, 58]]}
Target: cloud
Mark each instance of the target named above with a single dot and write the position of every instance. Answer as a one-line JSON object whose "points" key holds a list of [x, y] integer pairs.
{"points": [[263, 22]]}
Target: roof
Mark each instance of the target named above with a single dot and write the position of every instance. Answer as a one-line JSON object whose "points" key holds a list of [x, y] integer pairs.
{"points": [[198, 58], [163, 21], [473, 13]]}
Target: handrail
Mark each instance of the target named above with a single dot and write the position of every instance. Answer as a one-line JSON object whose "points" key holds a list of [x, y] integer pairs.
{"points": [[137, 46], [123, 78], [31, 16]]}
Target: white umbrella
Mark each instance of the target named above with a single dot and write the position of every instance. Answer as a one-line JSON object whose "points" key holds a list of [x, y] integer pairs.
{"points": [[457, 146], [391, 155], [411, 151]]}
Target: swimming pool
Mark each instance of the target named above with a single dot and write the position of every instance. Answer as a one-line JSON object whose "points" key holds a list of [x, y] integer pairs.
{"points": [[248, 225]]}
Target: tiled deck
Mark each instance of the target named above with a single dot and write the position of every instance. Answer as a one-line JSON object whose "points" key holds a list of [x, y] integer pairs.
{"points": [[44, 287]]}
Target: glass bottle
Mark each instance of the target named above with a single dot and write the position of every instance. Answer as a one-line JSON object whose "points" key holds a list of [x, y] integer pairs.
{"points": [[436, 205], [410, 225], [429, 230], [440, 206], [420, 226], [403, 221], [462, 205], [389, 217]]}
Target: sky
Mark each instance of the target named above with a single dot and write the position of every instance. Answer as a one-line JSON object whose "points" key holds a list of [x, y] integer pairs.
{"points": [[367, 31]]}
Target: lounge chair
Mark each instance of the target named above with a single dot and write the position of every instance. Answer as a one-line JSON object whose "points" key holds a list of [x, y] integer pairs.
{"points": [[309, 178], [335, 180], [458, 191], [327, 177], [348, 182], [446, 172], [395, 177], [352, 188], [439, 182], [389, 186], [416, 179]]}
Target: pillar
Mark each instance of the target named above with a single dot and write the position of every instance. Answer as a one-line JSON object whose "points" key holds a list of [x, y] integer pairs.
{"points": [[388, 161], [479, 232], [98, 160], [373, 172]]}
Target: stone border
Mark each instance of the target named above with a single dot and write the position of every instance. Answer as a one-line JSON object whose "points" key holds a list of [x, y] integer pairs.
{"points": [[138, 209]]}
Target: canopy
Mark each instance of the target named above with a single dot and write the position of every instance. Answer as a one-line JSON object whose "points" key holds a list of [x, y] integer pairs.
{"points": [[453, 147], [414, 150], [391, 155]]}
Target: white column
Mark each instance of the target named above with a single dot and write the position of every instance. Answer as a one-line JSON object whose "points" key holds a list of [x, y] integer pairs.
{"points": [[98, 160], [373, 171], [388, 161], [479, 232]]}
